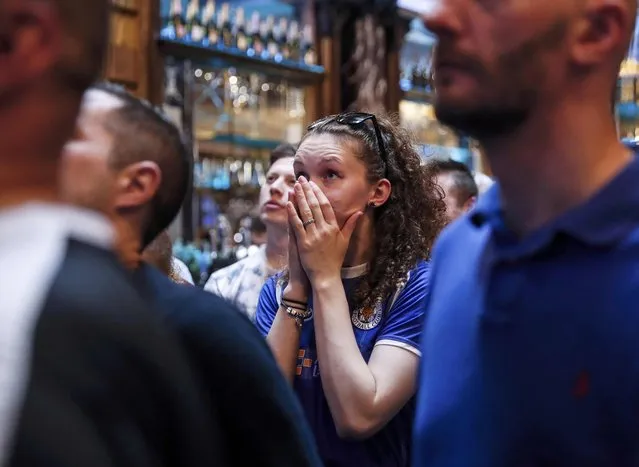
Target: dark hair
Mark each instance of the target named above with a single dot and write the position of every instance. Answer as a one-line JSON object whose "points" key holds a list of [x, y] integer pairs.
{"points": [[143, 133], [282, 151], [406, 226], [464, 185]]}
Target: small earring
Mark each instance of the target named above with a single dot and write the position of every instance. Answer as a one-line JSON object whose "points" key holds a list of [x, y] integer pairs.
{"points": [[372, 205]]}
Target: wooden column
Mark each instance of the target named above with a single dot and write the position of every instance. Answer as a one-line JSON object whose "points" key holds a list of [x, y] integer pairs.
{"points": [[131, 45]]}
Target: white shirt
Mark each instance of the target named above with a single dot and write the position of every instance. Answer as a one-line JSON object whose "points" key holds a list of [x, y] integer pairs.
{"points": [[241, 283], [33, 245], [181, 270]]}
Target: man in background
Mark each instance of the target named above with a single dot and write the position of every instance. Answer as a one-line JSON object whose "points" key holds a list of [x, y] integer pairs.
{"points": [[457, 183], [145, 178], [89, 376], [241, 283]]}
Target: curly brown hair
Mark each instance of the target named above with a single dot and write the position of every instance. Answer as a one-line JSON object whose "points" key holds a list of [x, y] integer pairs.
{"points": [[411, 219]]}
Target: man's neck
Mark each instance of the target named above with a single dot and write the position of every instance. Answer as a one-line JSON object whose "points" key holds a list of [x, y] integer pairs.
{"points": [[128, 242], [555, 162], [276, 246]]}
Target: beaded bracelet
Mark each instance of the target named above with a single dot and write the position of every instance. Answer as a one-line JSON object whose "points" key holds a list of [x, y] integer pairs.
{"points": [[298, 315]]}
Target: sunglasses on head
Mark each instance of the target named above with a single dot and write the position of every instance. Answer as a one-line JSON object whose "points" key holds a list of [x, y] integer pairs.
{"points": [[356, 120]]}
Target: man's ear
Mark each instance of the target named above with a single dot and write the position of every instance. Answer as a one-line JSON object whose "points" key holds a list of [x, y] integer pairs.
{"points": [[31, 41], [469, 204], [137, 185]]}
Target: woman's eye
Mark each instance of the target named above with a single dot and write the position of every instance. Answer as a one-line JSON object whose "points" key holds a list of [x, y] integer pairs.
{"points": [[330, 175], [270, 179]]}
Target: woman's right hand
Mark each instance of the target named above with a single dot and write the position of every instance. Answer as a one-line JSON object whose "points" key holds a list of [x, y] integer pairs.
{"points": [[298, 285]]}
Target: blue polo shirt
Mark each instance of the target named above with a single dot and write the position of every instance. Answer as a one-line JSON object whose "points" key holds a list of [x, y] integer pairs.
{"points": [[531, 347]]}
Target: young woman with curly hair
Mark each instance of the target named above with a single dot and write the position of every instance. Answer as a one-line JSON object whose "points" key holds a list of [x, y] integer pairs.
{"points": [[344, 322]]}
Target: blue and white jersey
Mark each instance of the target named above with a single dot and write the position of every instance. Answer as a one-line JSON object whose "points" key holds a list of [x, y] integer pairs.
{"points": [[397, 322]]}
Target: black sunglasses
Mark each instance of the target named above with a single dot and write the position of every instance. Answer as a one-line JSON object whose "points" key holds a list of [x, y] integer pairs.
{"points": [[357, 119]]}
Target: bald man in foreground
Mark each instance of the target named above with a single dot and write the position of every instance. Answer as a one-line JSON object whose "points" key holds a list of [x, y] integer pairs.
{"points": [[531, 355]]}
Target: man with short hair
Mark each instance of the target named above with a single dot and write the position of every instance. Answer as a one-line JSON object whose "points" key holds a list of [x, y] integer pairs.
{"points": [[144, 177], [242, 282], [458, 184], [530, 342]]}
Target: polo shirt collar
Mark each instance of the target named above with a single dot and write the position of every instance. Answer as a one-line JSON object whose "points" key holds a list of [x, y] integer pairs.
{"points": [[605, 219]]}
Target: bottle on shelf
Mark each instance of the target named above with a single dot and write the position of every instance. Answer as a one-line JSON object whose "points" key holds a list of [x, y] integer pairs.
{"points": [[264, 37], [255, 40], [280, 34], [194, 29], [272, 47], [173, 101], [309, 54], [175, 28], [239, 30], [292, 46], [208, 22], [224, 24]]}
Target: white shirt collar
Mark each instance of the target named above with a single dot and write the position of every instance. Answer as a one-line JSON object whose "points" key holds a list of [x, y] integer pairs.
{"points": [[82, 224]]}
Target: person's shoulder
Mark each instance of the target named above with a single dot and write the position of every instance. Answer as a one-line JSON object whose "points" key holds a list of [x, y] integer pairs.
{"points": [[418, 275], [91, 279], [253, 260], [188, 305]]}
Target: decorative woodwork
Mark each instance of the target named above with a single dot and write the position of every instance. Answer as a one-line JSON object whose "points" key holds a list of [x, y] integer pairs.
{"points": [[130, 45]]}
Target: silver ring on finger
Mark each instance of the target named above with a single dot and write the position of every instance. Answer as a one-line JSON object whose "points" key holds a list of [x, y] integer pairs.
{"points": [[308, 222]]}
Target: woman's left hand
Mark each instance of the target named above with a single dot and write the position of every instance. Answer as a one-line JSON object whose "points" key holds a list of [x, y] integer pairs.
{"points": [[321, 244]]}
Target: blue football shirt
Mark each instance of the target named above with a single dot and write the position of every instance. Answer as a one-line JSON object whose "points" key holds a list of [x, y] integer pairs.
{"points": [[531, 347], [401, 326]]}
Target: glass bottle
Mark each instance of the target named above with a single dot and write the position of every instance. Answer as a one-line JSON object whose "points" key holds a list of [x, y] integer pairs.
{"points": [[175, 28], [281, 33], [309, 54], [255, 41], [239, 30], [194, 29], [271, 41], [224, 23], [292, 49], [264, 31], [208, 22]]}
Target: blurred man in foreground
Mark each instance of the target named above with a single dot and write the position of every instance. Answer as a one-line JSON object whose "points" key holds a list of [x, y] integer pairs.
{"points": [[88, 375], [532, 330]]}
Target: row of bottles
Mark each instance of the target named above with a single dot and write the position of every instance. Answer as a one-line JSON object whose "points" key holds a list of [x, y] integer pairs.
{"points": [[224, 28], [228, 173]]}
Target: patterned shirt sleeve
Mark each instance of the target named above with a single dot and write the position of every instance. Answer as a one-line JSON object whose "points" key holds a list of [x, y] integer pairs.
{"points": [[212, 285], [267, 306], [404, 324]]}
